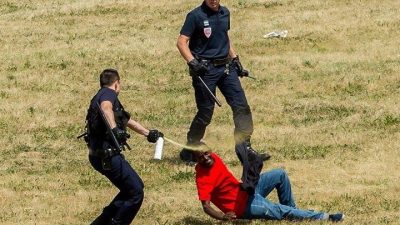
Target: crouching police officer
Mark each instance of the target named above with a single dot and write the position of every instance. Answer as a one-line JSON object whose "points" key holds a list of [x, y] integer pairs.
{"points": [[205, 45], [106, 137]]}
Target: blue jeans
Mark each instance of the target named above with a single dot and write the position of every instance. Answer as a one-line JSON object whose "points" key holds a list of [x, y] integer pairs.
{"points": [[258, 207], [124, 207], [230, 87]]}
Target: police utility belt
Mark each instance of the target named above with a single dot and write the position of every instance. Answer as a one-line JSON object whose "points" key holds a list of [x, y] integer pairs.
{"points": [[216, 62], [104, 153]]}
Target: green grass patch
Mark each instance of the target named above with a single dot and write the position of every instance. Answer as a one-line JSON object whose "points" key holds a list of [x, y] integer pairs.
{"points": [[301, 151], [183, 176], [387, 122], [307, 114]]}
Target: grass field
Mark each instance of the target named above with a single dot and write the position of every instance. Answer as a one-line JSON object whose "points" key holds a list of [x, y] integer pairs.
{"points": [[325, 104]]}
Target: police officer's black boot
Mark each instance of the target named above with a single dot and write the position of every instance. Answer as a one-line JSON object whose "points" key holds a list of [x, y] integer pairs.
{"points": [[254, 154]]}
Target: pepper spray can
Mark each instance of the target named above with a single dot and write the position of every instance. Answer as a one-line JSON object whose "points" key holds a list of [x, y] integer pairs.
{"points": [[159, 148]]}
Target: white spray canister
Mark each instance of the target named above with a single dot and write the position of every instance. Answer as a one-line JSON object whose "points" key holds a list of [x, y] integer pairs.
{"points": [[159, 148]]}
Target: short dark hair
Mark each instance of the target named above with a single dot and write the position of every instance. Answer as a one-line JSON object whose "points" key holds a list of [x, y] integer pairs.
{"points": [[108, 77], [187, 156]]}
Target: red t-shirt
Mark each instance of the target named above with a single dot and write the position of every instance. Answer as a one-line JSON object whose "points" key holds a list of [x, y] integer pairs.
{"points": [[218, 185]]}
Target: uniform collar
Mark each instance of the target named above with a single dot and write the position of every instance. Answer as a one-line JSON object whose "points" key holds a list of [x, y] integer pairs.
{"points": [[207, 10]]}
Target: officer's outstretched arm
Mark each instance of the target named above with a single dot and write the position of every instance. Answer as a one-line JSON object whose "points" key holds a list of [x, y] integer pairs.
{"points": [[152, 135], [137, 127]]}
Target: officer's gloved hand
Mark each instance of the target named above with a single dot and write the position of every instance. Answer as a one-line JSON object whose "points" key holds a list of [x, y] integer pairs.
{"points": [[120, 135], [154, 135], [197, 68], [239, 68]]}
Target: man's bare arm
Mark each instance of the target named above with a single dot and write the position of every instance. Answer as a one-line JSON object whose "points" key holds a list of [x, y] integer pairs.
{"points": [[137, 127], [183, 47], [208, 209]]}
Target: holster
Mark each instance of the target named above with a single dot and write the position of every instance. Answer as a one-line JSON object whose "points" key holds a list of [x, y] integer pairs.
{"points": [[105, 155]]}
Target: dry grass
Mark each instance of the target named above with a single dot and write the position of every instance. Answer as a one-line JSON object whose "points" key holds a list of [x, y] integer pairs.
{"points": [[326, 104]]}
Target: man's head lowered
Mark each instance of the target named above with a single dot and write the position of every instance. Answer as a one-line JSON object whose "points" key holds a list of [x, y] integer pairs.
{"points": [[200, 155]]}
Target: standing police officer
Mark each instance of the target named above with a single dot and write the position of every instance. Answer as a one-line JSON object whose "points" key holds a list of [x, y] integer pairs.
{"points": [[106, 137], [204, 43]]}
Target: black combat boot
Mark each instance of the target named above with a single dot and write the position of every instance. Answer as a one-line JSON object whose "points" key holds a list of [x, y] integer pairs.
{"points": [[254, 154]]}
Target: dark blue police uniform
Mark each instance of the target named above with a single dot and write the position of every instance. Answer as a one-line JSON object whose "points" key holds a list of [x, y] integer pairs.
{"points": [[209, 41], [124, 207]]}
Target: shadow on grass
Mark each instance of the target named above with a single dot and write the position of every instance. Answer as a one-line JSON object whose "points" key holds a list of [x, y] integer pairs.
{"points": [[190, 220], [241, 222]]}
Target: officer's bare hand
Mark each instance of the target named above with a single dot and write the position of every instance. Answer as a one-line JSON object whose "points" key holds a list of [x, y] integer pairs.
{"points": [[229, 216], [197, 68], [154, 135]]}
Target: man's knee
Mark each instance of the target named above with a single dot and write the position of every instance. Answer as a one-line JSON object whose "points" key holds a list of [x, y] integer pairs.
{"points": [[134, 188], [136, 195], [280, 174]]}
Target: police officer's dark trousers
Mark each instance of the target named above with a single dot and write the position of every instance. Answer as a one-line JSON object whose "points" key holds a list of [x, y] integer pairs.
{"points": [[124, 207], [229, 85]]}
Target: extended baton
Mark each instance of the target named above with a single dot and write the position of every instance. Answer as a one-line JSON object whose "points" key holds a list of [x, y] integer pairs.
{"points": [[209, 91], [248, 75]]}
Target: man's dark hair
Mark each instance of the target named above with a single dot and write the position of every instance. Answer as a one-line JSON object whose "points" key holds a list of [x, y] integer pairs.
{"points": [[108, 76], [187, 156]]}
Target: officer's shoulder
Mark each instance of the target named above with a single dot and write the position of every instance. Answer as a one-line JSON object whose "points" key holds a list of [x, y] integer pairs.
{"points": [[196, 11], [195, 14], [224, 9]]}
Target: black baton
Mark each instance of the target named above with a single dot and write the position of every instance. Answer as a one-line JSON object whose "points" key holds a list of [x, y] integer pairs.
{"points": [[209, 91]]}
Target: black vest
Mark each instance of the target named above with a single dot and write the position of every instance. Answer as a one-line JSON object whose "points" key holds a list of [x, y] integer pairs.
{"points": [[99, 138]]}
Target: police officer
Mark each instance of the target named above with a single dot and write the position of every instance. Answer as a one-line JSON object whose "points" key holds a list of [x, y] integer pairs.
{"points": [[106, 127], [204, 44]]}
